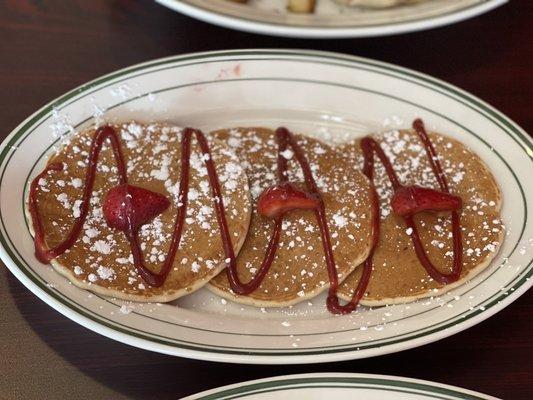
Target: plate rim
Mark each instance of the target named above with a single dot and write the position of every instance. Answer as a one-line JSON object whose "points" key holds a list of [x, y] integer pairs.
{"points": [[247, 356], [335, 379], [317, 32]]}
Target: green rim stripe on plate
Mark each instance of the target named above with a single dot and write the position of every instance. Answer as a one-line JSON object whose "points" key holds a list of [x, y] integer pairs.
{"points": [[82, 89], [258, 351], [206, 330], [327, 386], [171, 341], [493, 115], [340, 382], [307, 81]]}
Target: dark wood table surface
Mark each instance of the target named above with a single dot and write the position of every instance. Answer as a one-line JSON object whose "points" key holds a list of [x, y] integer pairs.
{"points": [[47, 47]]}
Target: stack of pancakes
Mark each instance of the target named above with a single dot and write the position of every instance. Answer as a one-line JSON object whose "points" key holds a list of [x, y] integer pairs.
{"points": [[246, 163]]}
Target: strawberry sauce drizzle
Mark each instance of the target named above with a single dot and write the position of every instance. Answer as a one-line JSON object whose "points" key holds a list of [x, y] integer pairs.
{"points": [[370, 147], [46, 255], [153, 279], [285, 139]]}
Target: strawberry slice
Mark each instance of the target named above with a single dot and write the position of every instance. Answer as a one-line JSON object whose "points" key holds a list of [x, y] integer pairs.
{"points": [[409, 200], [127, 207], [279, 199]]}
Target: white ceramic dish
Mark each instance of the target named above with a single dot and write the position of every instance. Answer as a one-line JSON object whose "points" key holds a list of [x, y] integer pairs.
{"points": [[339, 387], [317, 93], [330, 20]]}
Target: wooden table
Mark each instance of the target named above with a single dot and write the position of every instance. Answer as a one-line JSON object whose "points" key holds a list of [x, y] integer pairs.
{"points": [[48, 47]]}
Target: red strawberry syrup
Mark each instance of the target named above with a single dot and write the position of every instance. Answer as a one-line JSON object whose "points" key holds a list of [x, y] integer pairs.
{"points": [[371, 147], [285, 139]]}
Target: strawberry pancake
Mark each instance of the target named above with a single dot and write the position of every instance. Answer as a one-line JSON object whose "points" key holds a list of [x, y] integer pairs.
{"points": [[434, 233], [299, 269], [148, 229]]}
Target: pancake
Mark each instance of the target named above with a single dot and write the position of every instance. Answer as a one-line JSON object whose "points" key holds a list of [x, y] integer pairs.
{"points": [[299, 270], [101, 259], [397, 275]]}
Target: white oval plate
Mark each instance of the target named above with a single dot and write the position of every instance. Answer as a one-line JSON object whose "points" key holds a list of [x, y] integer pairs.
{"points": [[330, 20], [312, 92], [339, 387]]}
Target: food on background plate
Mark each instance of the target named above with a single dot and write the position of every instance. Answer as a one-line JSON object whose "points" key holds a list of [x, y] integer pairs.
{"points": [[308, 6], [301, 6], [377, 3], [407, 214]]}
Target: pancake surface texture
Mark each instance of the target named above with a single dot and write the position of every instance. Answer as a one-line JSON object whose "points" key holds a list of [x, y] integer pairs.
{"points": [[299, 270], [397, 275], [101, 260]]}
